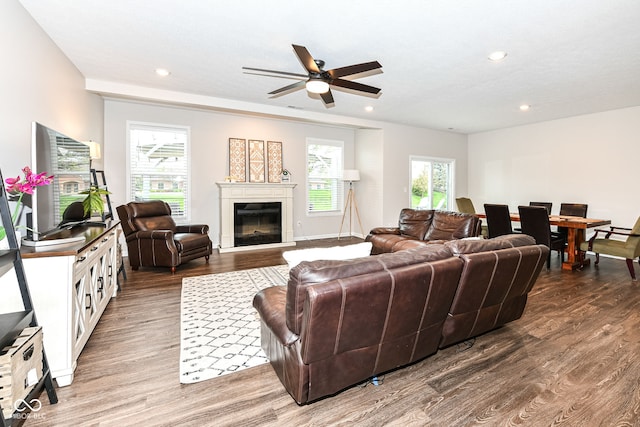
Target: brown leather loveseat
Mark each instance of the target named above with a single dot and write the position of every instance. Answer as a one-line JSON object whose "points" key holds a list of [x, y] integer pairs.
{"points": [[154, 239], [417, 227], [339, 323]]}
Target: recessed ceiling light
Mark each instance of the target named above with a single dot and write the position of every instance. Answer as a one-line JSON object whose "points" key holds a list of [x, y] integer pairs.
{"points": [[525, 107], [368, 108], [497, 56], [162, 72]]}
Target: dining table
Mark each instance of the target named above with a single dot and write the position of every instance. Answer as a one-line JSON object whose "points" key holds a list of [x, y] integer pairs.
{"points": [[576, 227]]}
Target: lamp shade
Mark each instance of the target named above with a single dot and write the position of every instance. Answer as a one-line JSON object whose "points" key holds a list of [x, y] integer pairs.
{"points": [[351, 175], [94, 149]]}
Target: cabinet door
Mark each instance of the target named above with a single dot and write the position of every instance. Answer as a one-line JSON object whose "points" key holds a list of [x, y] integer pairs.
{"points": [[111, 270], [81, 305]]}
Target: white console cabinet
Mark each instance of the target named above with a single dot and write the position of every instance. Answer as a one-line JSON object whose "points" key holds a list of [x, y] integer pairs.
{"points": [[71, 286]]}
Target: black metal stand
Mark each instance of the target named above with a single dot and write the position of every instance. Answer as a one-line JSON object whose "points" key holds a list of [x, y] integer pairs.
{"points": [[12, 324]]}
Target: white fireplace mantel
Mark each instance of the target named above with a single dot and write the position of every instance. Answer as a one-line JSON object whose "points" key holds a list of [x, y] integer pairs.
{"points": [[243, 192]]}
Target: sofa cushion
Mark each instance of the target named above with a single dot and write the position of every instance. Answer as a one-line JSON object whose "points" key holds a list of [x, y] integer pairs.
{"points": [[358, 250], [310, 273], [451, 225], [414, 222], [473, 245]]}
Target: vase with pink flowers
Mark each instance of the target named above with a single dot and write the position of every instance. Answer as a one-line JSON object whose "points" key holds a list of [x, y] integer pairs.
{"points": [[16, 189]]}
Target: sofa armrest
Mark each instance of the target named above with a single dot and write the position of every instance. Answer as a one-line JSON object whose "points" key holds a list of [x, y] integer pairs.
{"points": [[271, 303], [193, 228], [385, 230]]}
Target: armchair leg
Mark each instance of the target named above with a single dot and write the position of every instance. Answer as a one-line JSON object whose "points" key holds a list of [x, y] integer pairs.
{"points": [[173, 270], [631, 270], [597, 258]]}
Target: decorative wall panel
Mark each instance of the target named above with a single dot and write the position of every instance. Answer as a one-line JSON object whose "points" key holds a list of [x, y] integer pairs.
{"points": [[274, 161], [238, 159], [256, 161]]}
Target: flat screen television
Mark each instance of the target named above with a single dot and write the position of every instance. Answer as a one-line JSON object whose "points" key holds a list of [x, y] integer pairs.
{"points": [[69, 162]]}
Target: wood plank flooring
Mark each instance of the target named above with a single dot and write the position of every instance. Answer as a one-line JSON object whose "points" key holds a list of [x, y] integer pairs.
{"points": [[572, 360]]}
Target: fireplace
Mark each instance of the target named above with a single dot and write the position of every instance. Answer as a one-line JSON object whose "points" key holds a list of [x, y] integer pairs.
{"points": [[257, 223], [255, 215]]}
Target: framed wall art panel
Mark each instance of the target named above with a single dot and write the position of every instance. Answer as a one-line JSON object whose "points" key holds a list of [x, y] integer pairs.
{"points": [[238, 159], [274, 161], [256, 161]]}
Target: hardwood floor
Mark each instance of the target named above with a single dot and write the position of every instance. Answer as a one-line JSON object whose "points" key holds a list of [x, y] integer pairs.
{"points": [[571, 360]]}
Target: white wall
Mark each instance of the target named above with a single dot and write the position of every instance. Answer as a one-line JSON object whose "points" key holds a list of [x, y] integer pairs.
{"points": [[589, 159], [38, 83], [369, 154], [401, 142], [210, 133]]}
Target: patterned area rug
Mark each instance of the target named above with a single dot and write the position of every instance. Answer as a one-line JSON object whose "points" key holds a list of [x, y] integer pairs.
{"points": [[220, 329]]}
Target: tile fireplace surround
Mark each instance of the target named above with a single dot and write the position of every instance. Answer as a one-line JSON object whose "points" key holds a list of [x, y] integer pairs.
{"points": [[242, 192]]}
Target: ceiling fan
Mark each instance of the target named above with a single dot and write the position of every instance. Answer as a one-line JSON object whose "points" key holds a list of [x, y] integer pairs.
{"points": [[319, 80]]}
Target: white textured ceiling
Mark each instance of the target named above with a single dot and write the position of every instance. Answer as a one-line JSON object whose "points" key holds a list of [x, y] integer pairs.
{"points": [[565, 57]]}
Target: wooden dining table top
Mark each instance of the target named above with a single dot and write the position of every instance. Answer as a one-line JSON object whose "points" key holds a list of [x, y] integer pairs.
{"points": [[563, 220]]}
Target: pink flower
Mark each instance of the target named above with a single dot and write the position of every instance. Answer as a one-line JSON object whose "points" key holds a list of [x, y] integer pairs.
{"points": [[27, 186]]}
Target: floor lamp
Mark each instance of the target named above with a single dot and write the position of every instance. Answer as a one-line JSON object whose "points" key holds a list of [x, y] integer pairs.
{"points": [[350, 176]]}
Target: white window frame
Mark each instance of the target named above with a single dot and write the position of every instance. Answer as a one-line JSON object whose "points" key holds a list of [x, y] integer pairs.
{"points": [[451, 183], [339, 184], [132, 125]]}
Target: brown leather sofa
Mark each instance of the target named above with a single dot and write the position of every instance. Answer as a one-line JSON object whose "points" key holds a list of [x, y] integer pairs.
{"points": [[154, 239], [339, 323], [419, 227]]}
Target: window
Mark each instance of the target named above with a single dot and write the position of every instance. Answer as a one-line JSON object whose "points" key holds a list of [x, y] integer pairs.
{"points": [[158, 165], [71, 187], [431, 183], [324, 169]]}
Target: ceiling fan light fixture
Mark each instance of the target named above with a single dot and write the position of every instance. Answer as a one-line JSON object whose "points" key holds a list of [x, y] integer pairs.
{"points": [[317, 86], [497, 56]]}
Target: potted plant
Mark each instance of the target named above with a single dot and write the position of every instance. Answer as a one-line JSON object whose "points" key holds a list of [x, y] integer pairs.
{"points": [[94, 203]]}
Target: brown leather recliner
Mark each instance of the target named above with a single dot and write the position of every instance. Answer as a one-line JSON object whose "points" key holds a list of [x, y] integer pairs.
{"points": [[154, 239]]}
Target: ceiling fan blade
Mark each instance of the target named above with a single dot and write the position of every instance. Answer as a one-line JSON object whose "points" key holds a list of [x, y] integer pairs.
{"points": [[327, 97], [296, 85], [306, 59], [348, 84], [354, 69], [302, 76], [275, 76]]}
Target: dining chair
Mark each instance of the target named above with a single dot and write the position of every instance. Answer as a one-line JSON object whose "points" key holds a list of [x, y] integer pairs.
{"points": [[574, 209], [465, 205], [546, 205], [498, 220], [628, 249], [571, 209], [534, 221]]}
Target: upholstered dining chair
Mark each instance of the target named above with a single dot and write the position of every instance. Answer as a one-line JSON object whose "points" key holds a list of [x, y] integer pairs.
{"points": [[154, 239], [571, 209], [534, 221], [628, 249], [465, 205], [546, 205], [498, 220]]}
